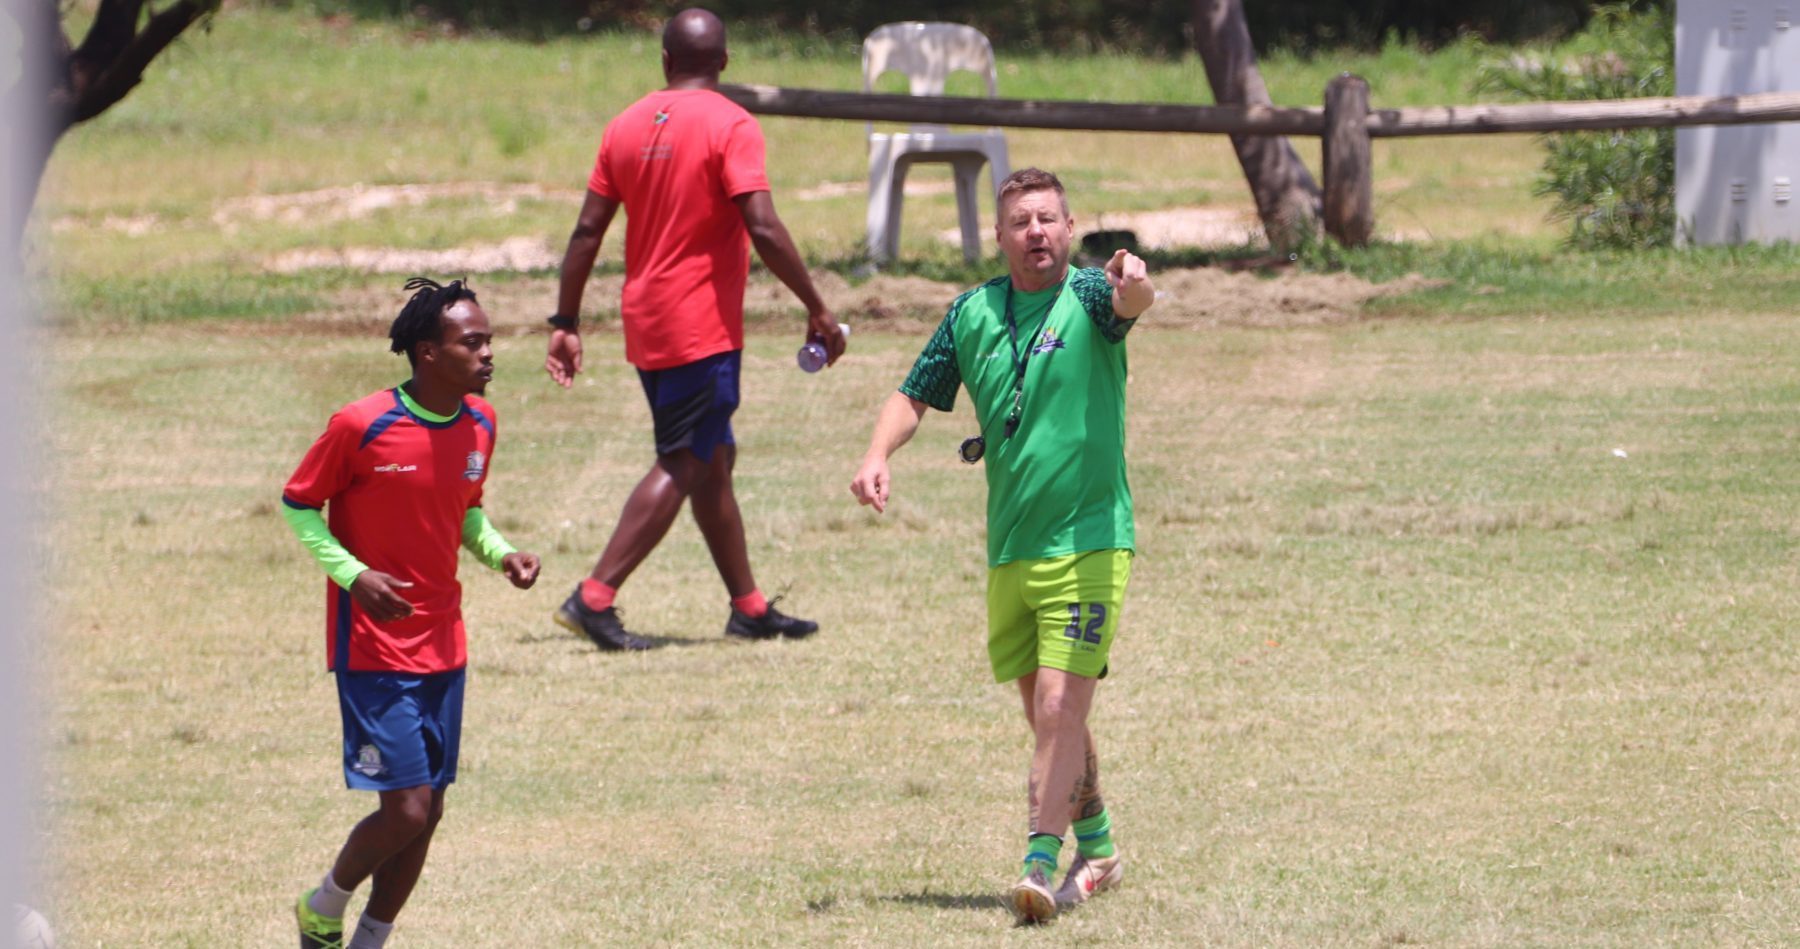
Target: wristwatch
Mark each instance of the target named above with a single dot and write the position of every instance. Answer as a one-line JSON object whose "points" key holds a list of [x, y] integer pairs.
{"points": [[562, 322]]}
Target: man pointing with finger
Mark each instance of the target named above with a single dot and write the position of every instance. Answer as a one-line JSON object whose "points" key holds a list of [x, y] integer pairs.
{"points": [[1042, 354]]}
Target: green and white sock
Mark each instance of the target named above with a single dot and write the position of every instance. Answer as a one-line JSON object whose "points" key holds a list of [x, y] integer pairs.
{"points": [[1042, 852], [1093, 835]]}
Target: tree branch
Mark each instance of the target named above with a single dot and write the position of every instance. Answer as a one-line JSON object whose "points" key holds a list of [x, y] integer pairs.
{"points": [[114, 54], [115, 23]]}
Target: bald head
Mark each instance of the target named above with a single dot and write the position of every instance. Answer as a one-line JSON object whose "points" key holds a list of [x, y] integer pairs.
{"points": [[693, 44]]}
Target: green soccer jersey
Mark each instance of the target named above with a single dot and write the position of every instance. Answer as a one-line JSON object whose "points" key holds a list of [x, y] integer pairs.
{"points": [[1057, 485]]}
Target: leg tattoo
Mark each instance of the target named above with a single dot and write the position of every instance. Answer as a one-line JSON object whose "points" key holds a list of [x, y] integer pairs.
{"points": [[1031, 795], [1088, 788]]}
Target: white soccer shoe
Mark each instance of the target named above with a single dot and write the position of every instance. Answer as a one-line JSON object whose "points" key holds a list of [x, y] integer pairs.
{"points": [[1030, 898], [1088, 876]]}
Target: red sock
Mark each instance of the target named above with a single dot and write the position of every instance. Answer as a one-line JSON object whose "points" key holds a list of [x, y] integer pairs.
{"points": [[750, 604], [597, 596]]}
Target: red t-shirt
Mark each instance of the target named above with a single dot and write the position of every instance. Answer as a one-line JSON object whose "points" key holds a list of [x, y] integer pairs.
{"points": [[676, 159], [399, 487]]}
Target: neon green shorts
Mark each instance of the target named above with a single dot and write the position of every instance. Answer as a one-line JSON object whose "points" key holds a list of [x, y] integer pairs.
{"points": [[1059, 612]]}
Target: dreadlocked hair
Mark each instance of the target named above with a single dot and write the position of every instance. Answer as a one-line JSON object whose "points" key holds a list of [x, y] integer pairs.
{"points": [[421, 319]]}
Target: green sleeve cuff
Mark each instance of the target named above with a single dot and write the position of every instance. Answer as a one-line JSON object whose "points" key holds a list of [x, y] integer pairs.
{"points": [[483, 539], [309, 525]]}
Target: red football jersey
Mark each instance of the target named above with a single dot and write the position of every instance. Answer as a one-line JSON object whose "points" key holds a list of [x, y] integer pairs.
{"points": [[676, 159], [398, 487]]}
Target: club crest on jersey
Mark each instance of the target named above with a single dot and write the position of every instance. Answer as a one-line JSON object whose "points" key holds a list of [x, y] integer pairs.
{"points": [[368, 762], [1049, 341], [474, 467]]}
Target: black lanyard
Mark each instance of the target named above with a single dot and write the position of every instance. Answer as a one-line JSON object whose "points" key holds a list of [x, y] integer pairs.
{"points": [[1021, 359]]}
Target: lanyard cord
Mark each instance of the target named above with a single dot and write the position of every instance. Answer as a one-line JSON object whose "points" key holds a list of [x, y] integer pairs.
{"points": [[1012, 329], [1020, 360]]}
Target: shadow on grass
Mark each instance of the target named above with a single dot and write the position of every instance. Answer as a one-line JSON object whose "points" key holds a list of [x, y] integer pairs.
{"points": [[980, 901], [658, 641]]}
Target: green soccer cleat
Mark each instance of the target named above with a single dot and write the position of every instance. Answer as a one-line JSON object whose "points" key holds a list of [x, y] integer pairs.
{"points": [[1030, 898], [317, 932]]}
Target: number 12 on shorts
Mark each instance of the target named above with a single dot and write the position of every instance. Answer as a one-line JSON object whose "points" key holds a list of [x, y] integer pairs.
{"points": [[1091, 632]]}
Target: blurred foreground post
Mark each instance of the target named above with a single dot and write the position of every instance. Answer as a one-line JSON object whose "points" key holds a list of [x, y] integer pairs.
{"points": [[21, 642]]}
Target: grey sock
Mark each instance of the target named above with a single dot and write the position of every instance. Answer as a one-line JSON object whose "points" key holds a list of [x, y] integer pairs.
{"points": [[371, 933], [329, 899]]}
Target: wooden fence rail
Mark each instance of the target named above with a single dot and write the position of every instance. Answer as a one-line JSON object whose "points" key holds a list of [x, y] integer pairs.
{"points": [[1266, 120], [1345, 124]]}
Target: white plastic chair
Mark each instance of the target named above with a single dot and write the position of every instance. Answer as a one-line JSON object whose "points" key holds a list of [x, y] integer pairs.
{"points": [[927, 53]]}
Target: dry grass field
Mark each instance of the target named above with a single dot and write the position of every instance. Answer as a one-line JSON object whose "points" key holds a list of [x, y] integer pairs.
{"points": [[1462, 614], [1411, 654]]}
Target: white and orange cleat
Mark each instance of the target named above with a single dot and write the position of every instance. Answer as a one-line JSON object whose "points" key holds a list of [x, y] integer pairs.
{"points": [[1088, 876], [1030, 898]]}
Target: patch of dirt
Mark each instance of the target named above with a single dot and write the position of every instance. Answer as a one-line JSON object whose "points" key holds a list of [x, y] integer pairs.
{"points": [[514, 253], [359, 201], [1169, 227], [1195, 298], [132, 226], [1201, 297], [1189, 298], [1184, 227], [844, 189]]}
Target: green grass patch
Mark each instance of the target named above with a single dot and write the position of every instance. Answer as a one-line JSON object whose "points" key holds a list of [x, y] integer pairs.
{"points": [[1494, 278], [185, 297]]}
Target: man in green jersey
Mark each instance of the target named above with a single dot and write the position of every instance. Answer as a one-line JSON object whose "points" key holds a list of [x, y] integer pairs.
{"points": [[1042, 353]]}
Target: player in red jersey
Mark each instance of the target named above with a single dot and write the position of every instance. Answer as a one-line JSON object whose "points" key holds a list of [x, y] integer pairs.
{"points": [[687, 165], [402, 471]]}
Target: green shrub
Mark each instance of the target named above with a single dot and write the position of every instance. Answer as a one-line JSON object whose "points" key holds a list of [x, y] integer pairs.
{"points": [[1144, 26], [1615, 188]]}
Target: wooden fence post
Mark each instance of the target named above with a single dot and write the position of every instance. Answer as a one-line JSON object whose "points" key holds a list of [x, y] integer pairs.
{"points": [[1349, 173]]}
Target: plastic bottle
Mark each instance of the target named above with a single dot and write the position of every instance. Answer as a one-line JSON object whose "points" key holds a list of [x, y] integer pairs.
{"points": [[813, 355]]}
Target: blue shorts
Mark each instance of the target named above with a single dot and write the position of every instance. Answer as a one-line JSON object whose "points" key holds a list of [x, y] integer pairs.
{"points": [[692, 404], [400, 730]]}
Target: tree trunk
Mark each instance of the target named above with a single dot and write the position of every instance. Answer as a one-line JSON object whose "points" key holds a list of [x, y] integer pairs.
{"points": [[60, 85], [1287, 198]]}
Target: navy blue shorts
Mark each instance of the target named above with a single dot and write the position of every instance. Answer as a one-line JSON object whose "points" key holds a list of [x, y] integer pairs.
{"points": [[692, 404], [400, 730]]}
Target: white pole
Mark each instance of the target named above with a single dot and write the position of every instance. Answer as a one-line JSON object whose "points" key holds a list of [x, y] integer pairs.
{"points": [[21, 641]]}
